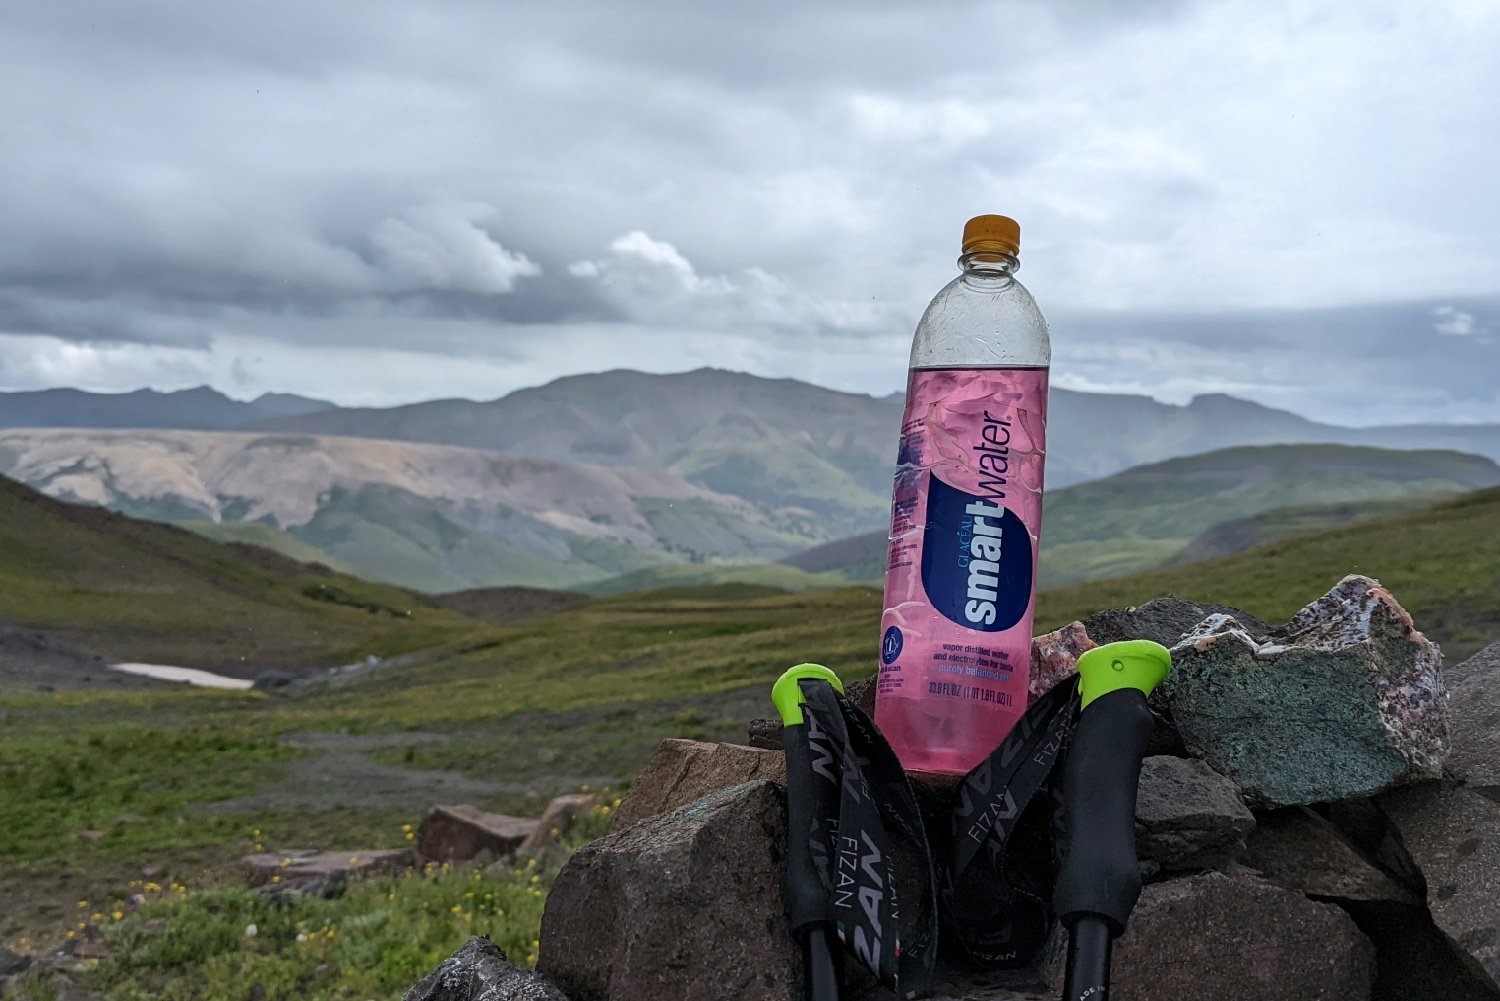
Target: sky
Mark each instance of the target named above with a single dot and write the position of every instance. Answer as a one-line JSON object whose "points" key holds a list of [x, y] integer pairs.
{"points": [[382, 201]]}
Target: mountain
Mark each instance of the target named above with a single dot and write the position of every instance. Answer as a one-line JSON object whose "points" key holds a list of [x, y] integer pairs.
{"points": [[201, 408], [780, 441], [1205, 506], [434, 517], [133, 590]]}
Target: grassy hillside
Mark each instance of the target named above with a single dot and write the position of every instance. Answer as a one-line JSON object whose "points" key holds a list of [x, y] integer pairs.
{"points": [[772, 575], [1143, 517], [1206, 506], [133, 590], [1443, 564], [523, 710]]}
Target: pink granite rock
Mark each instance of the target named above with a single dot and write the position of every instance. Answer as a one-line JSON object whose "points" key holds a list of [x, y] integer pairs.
{"points": [[1054, 656]]}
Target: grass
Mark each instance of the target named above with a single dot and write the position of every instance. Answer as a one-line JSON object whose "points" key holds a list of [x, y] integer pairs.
{"points": [[95, 786], [375, 940], [135, 590]]}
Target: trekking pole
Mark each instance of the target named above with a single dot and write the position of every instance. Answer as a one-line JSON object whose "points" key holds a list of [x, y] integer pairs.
{"points": [[806, 897], [1099, 881]]}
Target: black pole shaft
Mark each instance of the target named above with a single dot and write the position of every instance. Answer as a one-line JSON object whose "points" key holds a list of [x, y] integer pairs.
{"points": [[806, 899], [1089, 946], [822, 973]]}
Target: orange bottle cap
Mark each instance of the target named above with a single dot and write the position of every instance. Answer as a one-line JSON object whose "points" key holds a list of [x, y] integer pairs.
{"points": [[992, 233]]}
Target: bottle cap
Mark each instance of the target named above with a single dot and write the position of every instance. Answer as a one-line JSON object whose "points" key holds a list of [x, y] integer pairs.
{"points": [[993, 233]]}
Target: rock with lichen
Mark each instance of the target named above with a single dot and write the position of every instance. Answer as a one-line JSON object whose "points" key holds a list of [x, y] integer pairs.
{"points": [[1345, 700]]}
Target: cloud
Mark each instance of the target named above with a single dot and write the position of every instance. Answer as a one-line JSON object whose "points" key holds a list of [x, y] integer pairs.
{"points": [[525, 190], [1453, 322], [444, 247]]}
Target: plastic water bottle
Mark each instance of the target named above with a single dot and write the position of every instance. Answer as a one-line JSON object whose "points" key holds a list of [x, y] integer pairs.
{"points": [[966, 514]]}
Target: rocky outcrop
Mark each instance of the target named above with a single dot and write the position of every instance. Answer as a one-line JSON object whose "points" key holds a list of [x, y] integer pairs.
{"points": [[1299, 850], [1234, 938], [462, 833], [681, 771], [1453, 837], [557, 819], [1187, 816], [683, 905], [319, 873], [1345, 700], [1474, 716], [1054, 656], [480, 972]]}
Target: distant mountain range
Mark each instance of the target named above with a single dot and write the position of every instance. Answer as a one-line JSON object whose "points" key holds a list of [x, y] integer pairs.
{"points": [[201, 409], [697, 468], [435, 517]]}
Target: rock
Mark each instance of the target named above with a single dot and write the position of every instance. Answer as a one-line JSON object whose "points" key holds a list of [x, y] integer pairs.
{"points": [[12, 963], [1414, 961], [685, 905], [1299, 850], [1163, 620], [480, 972], [461, 833], [1344, 701], [558, 818], [319, 873], [1233, 938], [681, 771], [1188, 816], [1453, 837], [272, 679], [1054, 656], [765, 734], [1474, 717]]}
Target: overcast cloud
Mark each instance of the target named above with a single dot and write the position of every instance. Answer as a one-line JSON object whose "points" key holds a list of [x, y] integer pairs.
{"points": [[377, 202]]}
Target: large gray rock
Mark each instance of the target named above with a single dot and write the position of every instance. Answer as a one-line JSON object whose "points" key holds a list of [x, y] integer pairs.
{"points": [[682, 771], [1234, 938], [1163, 620], [461, 833], [1453, 837], [1474, 717], [479, 971], [1188, 816], [1299, 850], [1346, 700], [683, 905]]}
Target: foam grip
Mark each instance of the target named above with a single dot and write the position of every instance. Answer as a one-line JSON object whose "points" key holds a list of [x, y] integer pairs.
{"points": [[1098, 874]]}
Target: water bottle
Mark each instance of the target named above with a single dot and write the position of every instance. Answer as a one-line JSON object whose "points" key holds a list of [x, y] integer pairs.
{"points": [[966, 514]]}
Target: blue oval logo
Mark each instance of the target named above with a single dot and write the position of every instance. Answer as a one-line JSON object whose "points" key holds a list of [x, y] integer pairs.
{"points": [[976, 559], [890, 645]]}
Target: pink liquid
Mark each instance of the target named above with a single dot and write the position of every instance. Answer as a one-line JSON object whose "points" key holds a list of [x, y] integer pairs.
{"points": [[960, 586]]}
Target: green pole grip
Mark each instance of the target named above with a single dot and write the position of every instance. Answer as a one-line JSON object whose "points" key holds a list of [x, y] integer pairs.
{"points": [[1138, 664], [786, 694]]}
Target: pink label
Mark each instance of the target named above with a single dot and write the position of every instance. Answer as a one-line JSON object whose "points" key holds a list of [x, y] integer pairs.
{"points": [[960, 585]]}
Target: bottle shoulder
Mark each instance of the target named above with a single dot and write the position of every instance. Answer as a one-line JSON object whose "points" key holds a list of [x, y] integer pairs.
{"points": [[985, 323]]}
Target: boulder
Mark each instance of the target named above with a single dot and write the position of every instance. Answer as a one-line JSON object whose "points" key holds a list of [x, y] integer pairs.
{"points": [[1346, 700], [1453, 837], [556, 820], [1163, 620], [479, 971], [684, 905], [319, 873], [1299, 850], [1474, 717], [682, 771], [1233, 938], [461, 833], [1187, 816]]}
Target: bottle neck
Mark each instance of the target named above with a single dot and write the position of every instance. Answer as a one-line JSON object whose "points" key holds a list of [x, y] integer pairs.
{"points": [[988, 268]]}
